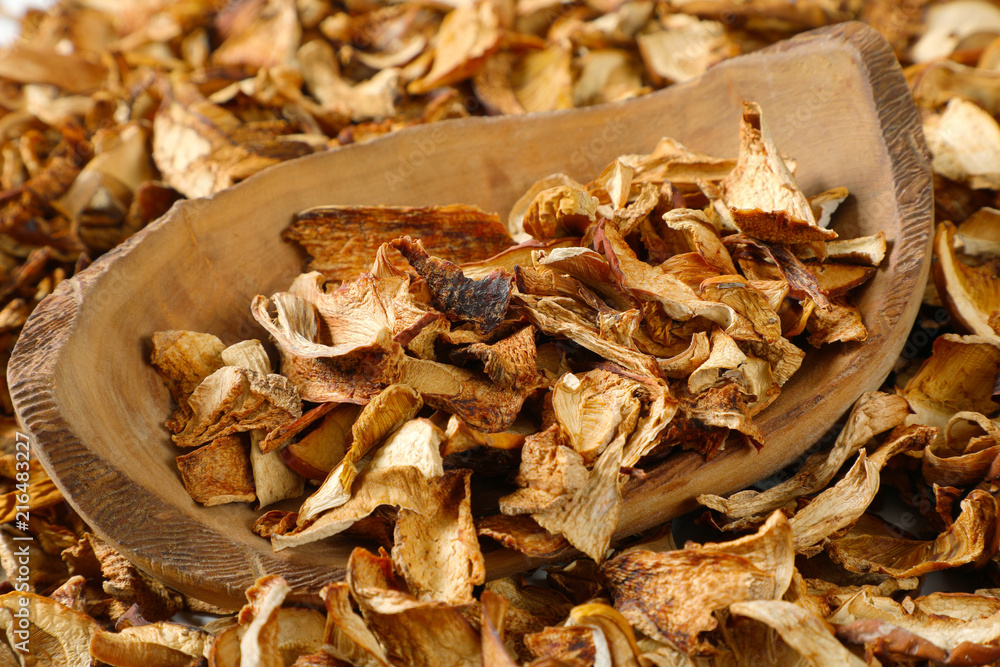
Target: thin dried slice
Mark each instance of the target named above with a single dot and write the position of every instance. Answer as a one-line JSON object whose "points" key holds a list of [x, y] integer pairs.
{"points": [[701, 237], [234, 400], [871, 546], [825, 204], [543, 80], [670, 596], [980, 233], [346, 636], [958, 377], [400, 474], [867, 618], [864, 250], [218, 472], [872, 414], [945, 26], [185, 359], [599, 497], [388, 411], [837, 322], [761, 193], [561, 646], [685, 50], [971, 293], [523, 534], [466, 36], [723, 407], [594, 409], [494, 614], [422, 634], [167, 644], [435, 548], [550, 473], [964, 142], [971, 464], [268, 39], [803, 631], [613, 627], [510, 363], [321, 449], [514, 256], [482, 302], [343, 240], [259, 617], [515, 220], [672, 161], [460, 438], [51, 634], [591, 269], [560, 211], [281, 435], [725, 355]]}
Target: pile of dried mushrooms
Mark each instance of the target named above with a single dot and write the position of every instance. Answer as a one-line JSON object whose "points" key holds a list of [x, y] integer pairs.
{"points": [[113, 110]]}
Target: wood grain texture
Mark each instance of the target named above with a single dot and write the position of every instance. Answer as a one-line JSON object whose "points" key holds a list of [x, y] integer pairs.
{"points": [[82, 386]]}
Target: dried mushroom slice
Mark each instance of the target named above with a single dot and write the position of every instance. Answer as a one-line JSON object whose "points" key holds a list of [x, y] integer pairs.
{"points": [[185, 359], [510, 362], [167, 644], [560, 211], [908, 630], [219, 472], [964, 142], [320, 450], [872, 414], [804, 632], [346, 636], [959, 376], [494, 613], [971, 293], [400, 474], [872, 546], [523, 534], [52, 634], [343, 240], [594, 409], [273, 480], [761, 193], [550, 473], [481, 302], [686, 49], [956, 464], [435, 548], [235, 400], [393, 407], [466, 36], [413, 632], [259, 618]]}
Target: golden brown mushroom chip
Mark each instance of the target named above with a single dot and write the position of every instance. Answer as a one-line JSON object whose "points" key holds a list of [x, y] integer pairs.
{"points": [[167, 644], [964, 141], [670, 596], [803, 631], [346, 636], [185, 359], [343, 240], [873, 546], [958, 464], [761, 193], [685, 49], [872, 414], [413, 632], [435, 548], [234, 400], [971, 293], [908, 629], [550, 472], [385, 413], [560, 211], [510, 363], [593, 409], [494, 613], [218, 472], [958, 377], [523, 534], [573, 645], [44, 631], [466, 36]]}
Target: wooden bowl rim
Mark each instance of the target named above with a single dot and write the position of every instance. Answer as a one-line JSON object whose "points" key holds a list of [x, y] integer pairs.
{"points": [[36, 356]]}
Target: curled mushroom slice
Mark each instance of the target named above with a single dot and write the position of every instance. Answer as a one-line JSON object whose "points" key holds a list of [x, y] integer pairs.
{"points": [[913, 631], [167, 644], [957, 465], [435, 548], [410, 630], [346, 636], [467, 35], [594, 408], [343, 240], [761, 193], [872, 546], [50, 629], [685, 49], [872, 414], [400, 474], [971, 293], [185, 359], [393, 407], [670, 596], [522, 533], [550, 472], [964, 141], [560, 211], [218, 472], [804, 632], [482, 302], [959, 376]]}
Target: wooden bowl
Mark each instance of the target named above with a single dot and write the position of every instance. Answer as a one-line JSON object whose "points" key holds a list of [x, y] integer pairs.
{"points": [[83, 387]]}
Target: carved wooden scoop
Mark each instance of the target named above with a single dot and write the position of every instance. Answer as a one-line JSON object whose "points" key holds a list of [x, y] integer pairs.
{"points": [[84, 389]]}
